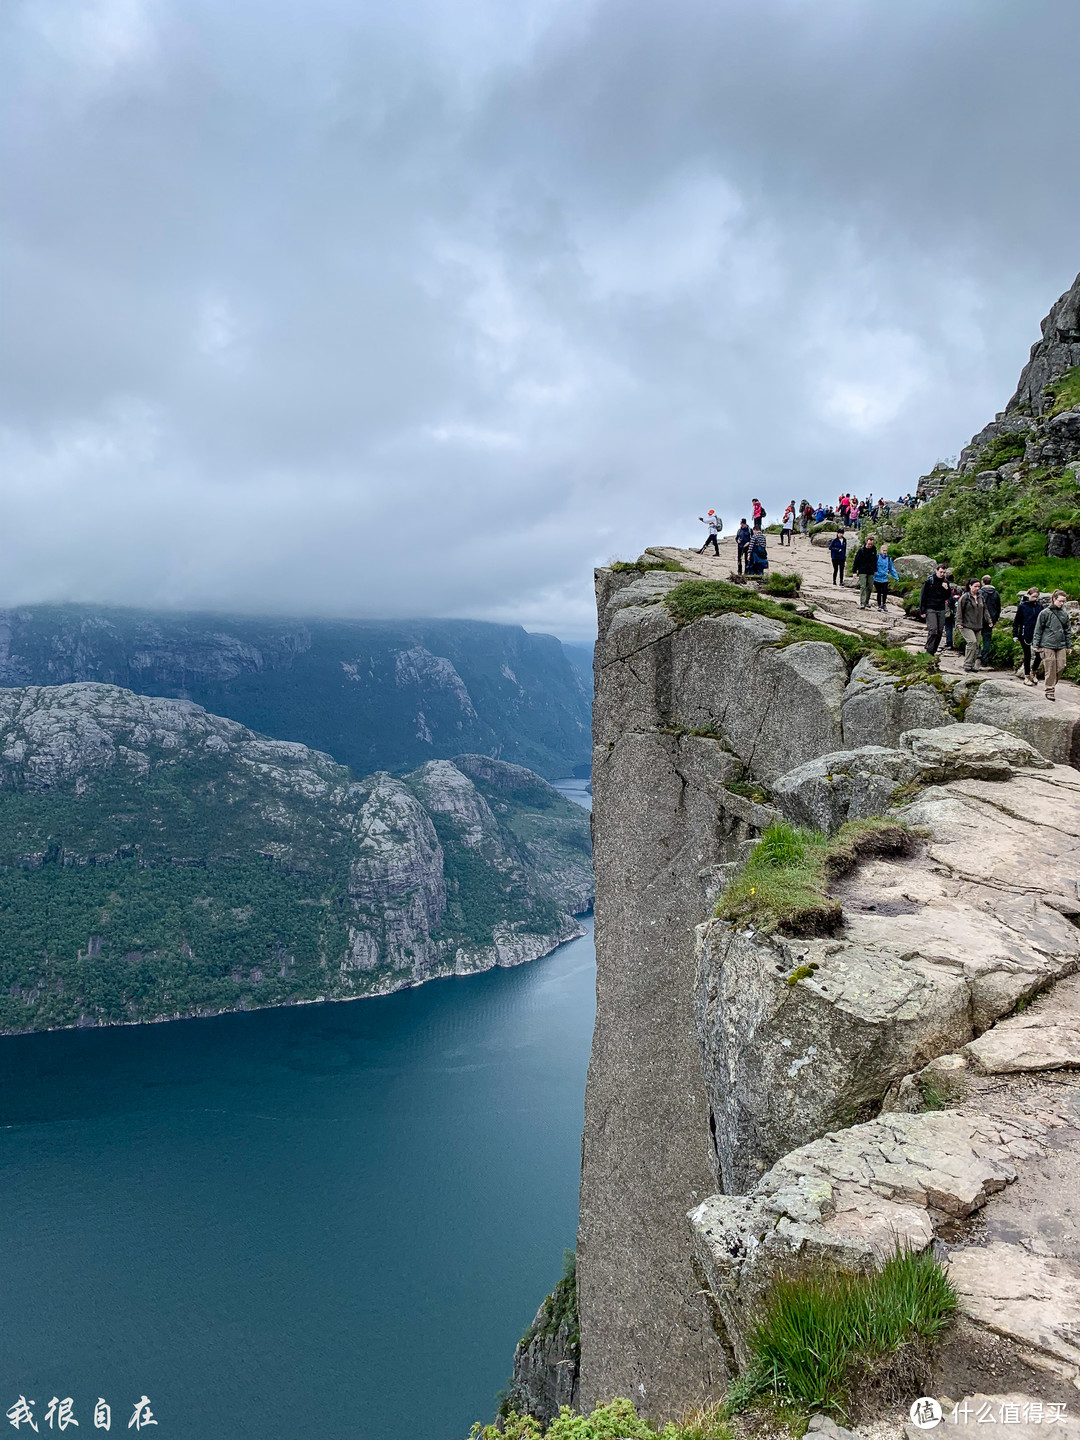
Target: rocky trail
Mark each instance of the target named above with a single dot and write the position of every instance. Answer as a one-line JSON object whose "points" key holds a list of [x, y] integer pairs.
{"points": [[839, 606]]}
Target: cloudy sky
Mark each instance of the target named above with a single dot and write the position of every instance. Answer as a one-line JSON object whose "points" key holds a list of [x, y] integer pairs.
{"points": [[426, 307]]}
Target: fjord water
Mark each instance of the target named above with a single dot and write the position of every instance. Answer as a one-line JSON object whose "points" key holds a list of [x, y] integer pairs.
{"points": [[329, 1220]]}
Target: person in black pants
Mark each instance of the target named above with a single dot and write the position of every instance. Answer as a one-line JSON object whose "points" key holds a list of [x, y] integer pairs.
{"points": [[933, 604], [1027, 612], [838, 551], [743, 536]]}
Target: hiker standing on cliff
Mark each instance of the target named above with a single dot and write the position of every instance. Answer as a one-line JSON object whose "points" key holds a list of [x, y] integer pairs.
{"points": [[1023, 631], [933, 604], [992, 605], [971, 617], [865, 567], [883, 573], [838, 551], [715, 525], [787, 524], [757, 510], [1053, 639], [758, 559], [743, 536]]}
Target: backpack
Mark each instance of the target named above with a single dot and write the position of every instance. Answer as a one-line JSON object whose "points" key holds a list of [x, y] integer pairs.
{"points": [[764, 512]]}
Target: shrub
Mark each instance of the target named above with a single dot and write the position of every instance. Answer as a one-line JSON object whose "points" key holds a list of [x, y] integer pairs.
{"points": [[1000, 450], [829, 1336], [642, 565], [617, 1420], [784, 883]]}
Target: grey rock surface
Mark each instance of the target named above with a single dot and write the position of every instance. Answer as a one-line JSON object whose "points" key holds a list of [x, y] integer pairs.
{"points": [[970, 752], [800, 1035], [878, 707], [1056, 351], [1053, 730], [914, 567], [848, 785]]}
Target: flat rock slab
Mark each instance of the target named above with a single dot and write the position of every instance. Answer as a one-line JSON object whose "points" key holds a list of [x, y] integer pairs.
{"points": [[1044, 1037], [971, 752], [1053, 727], [1032, 1299]]}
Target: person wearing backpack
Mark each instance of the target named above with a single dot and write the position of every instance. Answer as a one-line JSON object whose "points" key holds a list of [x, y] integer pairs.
{"points": [[992, 605], [883, 573], [787, 524], [1053, 639], [971, 617], [838, 551], [1023, 632], [715, 525], [743, 536], [933, 603], [757, 510], [758, 559], [865, 567]]}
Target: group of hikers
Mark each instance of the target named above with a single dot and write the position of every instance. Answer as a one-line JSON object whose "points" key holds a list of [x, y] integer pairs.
{"points": [[1043, 632]]}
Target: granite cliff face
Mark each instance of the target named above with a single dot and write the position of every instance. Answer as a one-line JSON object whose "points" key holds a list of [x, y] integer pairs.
{"points": [[161, 861], [723, 1053], [377, 695]]}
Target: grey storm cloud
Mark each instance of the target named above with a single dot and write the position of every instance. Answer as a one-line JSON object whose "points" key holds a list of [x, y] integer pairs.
{"points": [[385, 309]]}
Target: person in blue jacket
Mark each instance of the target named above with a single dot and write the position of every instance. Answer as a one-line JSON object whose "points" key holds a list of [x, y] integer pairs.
{"points": [[885, 572], [838, 551]]}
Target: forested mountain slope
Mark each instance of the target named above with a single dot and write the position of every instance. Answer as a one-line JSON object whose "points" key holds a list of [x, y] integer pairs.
{"points": [[374, 694], [158, 861]]}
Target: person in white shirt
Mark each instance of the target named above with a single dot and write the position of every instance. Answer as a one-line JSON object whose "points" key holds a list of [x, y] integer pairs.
{"points": [[715, 524]]}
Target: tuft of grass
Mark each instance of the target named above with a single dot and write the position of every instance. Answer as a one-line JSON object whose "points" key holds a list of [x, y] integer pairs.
{"points": [[1066, 391], [788, 585], [641, 566], [617, 1420], [827, 1339], [1047, 574], [784, 883], [938, 1091]]}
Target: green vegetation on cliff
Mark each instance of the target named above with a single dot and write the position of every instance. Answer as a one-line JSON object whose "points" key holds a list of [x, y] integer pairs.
{"points": [[617, 1420], [784, 884], [828, 1337]]}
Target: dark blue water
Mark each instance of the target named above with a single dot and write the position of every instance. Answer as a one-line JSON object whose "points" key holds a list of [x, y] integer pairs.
{"points": [[328, 1221]]}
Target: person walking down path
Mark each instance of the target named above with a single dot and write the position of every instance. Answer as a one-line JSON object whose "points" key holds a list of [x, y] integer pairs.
{"points": [[950, 614], [715, 524], [864, 566], [1023, 631], [805, 511], [971, 617], [1053, 639], [787, 524], [838, 551], [933, 605], [758, 559], [992, 605], [743, 536], [883, 573]]}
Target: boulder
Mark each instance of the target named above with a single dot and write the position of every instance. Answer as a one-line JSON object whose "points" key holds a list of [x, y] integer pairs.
{"points": [[774, 703], [970, 752], [987, 479], [823, 538], [847, 785], [1044, 1037], [1053, 730], [878, 707], [914, 567]]}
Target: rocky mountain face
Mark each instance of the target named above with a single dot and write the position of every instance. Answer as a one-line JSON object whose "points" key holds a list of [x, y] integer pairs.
{"points": [[1039, 429], [374, 694], [755, 1096], [160, 861]]}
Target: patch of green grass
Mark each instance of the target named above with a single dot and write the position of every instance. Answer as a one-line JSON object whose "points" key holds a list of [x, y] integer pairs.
{"points": [[617, 1420], [826, 1338], [784, 883], [1066, 391], [938, 1091], [1001, 450], [895, 660], [1047, 574], [641, 566], [778, 584]]}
